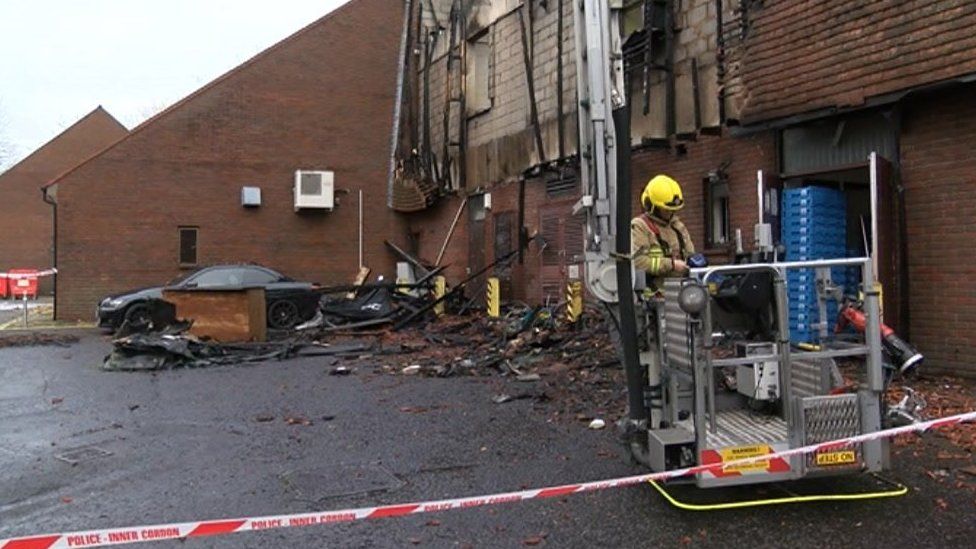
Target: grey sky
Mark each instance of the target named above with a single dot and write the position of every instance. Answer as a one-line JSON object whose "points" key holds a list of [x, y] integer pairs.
{"points": [[59, 59]]}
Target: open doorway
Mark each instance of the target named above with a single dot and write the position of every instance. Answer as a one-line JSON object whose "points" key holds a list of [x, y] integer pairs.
{"points": [[866, 187]]}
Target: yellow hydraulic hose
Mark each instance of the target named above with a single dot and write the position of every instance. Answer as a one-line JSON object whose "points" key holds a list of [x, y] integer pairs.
{"points": [[899, 490]]}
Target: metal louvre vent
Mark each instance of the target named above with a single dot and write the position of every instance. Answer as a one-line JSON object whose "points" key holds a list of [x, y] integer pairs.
{"points": [[562, 186], [550, 235], [574, 241], [311, 184], [826, 418]]}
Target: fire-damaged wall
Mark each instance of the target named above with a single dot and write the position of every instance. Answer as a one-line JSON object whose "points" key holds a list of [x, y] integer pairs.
{"points": [[321, 99], [486, 95], [721, 90], [26, 222], [525, 167]]}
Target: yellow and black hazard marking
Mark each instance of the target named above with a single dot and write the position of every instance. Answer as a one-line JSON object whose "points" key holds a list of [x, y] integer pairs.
{"points": [[440, 288], [574, 301], [493, 298]]}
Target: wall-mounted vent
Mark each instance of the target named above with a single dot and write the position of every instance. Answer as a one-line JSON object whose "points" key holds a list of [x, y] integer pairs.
{"points": [[250, 197], [314, 190]]}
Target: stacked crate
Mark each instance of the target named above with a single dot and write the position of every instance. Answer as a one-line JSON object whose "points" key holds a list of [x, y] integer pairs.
{"points": [[814, 226]]}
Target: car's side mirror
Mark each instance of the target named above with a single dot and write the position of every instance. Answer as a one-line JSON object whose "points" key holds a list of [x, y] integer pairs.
{"points": [[190, 285]]}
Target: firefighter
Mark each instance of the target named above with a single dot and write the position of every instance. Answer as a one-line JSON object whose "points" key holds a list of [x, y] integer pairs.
{"points": [[659, 242]]}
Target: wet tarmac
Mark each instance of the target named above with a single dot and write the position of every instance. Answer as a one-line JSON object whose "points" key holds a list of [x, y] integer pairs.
{"points": [[82, 448]]}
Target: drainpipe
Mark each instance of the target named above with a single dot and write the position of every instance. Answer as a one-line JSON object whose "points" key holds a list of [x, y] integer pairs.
{"points": [[398, 100], [54, 248]]}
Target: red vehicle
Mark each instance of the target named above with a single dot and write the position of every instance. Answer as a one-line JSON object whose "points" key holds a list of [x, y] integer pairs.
{"points": [[22, 282]]}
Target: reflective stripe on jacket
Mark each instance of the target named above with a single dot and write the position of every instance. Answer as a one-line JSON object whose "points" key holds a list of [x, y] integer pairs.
{"points": [[655, 244]]}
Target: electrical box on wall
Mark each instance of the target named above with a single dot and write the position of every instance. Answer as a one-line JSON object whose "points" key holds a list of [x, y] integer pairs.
{"points": [[250, 197], [314, 190]]}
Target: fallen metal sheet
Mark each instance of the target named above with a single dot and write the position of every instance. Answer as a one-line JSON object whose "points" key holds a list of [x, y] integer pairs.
{"points": [[369, 306], [165, 351]]}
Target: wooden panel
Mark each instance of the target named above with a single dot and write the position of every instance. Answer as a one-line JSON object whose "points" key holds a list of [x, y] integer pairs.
{"points": [[223, 315], [685, 101], [708, 96]]}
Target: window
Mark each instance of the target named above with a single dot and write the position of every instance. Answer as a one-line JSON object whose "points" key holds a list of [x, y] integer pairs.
{"points": [[717, 224], [188, 246], [257, 276], [217, 278], [632, 17], [477, 93], [476, 204]]}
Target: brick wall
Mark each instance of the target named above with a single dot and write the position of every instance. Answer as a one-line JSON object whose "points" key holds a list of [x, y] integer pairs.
{"points": [[322, 99], [804, 55], [939, 173], [26, 233], [745, 156]]}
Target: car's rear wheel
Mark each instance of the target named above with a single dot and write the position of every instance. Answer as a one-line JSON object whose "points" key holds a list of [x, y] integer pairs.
{"points": [[283, 314]]}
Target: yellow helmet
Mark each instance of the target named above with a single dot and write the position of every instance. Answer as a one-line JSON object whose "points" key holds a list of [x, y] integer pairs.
{"points": [[662, 192]]}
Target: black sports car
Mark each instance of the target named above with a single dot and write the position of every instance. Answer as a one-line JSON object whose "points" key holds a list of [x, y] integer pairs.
{"points": [[289, 302]]}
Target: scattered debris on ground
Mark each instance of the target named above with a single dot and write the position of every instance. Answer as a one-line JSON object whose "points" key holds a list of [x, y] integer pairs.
{"points": [[35, 339], [575, 366], [166, 351], [942, 396]]}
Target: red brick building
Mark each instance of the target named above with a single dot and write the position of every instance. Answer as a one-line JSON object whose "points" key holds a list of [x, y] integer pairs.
{"points": [[169, 196], [802, 90], [26, 222]]}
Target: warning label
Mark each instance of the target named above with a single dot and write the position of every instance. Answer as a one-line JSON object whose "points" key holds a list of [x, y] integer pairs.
{"points": [[733, 453]]}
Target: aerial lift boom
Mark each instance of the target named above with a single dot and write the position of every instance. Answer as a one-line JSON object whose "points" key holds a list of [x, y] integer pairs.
{"points": [[711, 373]]}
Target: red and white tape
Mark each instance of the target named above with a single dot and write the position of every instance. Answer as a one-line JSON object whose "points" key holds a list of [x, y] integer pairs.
{"points": [[119, 536], [35, 274]]}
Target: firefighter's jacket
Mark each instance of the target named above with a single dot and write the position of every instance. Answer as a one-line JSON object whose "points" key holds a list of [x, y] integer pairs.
{"points": [[656, 243]]}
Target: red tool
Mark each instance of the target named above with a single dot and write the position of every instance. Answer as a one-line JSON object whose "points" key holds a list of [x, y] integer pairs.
{"points": [[898, 349]]}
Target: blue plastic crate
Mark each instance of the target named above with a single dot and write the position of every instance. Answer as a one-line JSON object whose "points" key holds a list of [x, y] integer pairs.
{"points": [[801, 288], [815, 238], [803, 235], [814, 193], [811, 256], [812, 224], [804, 337], [814, 248], [802, 207], [794, 210]]}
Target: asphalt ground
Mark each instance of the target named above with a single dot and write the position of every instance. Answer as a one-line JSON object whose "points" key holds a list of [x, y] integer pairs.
{"points": [[287, 437]]}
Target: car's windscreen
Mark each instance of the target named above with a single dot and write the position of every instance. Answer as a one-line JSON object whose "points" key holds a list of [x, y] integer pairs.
{"points": [[182, 278]]}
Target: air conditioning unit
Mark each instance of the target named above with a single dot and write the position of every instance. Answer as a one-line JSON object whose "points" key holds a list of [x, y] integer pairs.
{"points": [[314, 190]]}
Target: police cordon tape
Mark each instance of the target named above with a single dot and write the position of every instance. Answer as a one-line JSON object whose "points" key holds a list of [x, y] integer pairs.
{"points": [[159, 532], [35, 274]]}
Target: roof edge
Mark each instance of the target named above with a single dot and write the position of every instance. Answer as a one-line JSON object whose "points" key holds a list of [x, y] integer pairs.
{"points": [[93, 112], [206, 87]]}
